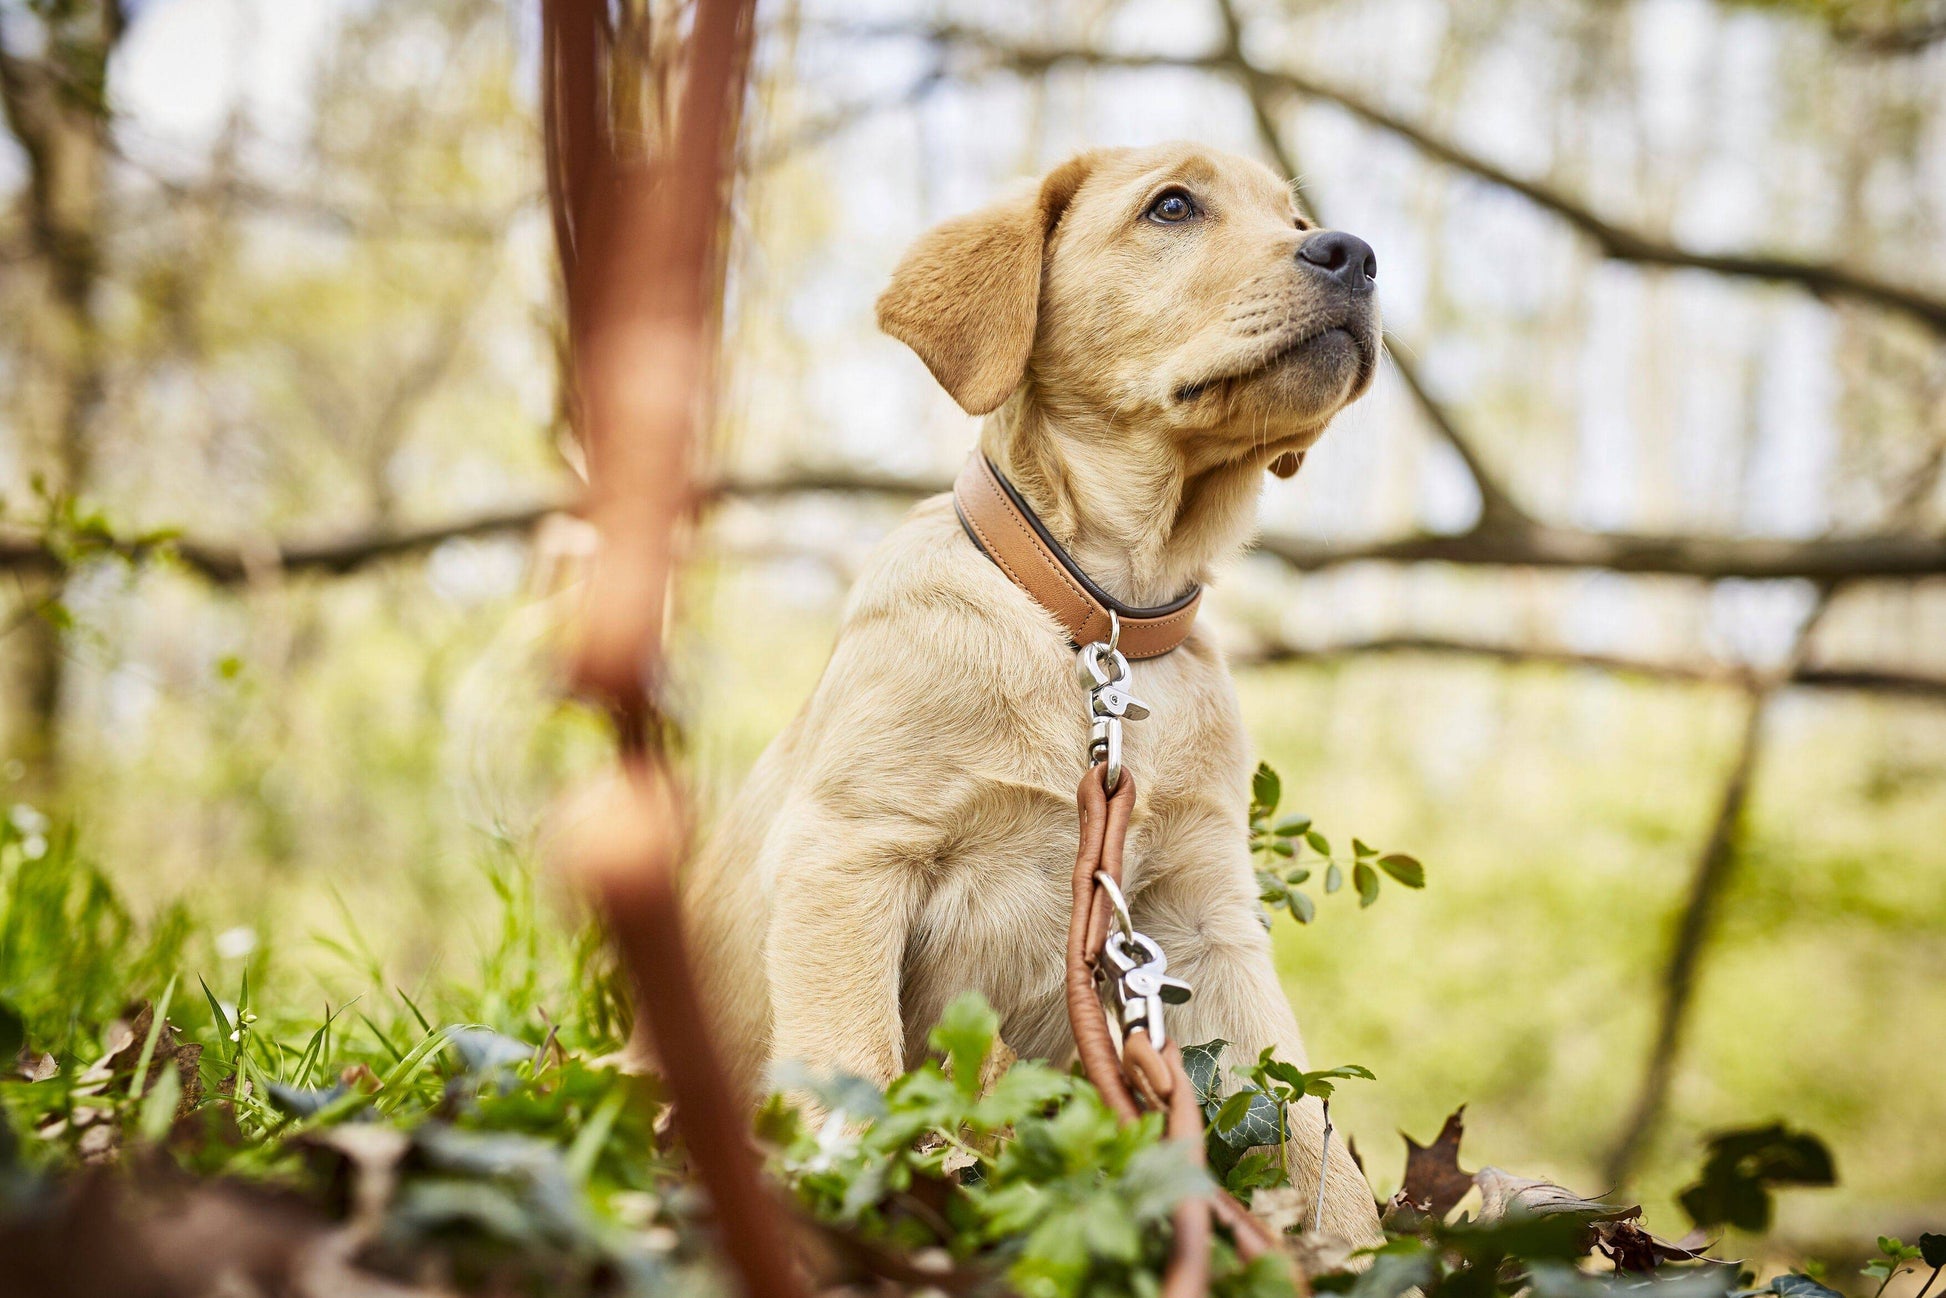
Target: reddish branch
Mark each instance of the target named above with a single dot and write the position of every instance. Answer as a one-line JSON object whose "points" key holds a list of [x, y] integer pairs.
{"points": [[640, 246]]}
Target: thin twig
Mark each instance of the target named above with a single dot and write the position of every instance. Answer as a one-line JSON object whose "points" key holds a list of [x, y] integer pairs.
{"points": [[1497, 507], [1617, 241], [1324, 1166], [1868, 680]]}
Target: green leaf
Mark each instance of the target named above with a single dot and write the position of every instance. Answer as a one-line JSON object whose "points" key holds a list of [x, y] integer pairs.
{"points": [[1796, 1285], [1256, 1170], [1742, 1166], [588, 1141], [1203, 1064], [1365, 878], [1265, 790], [1302, 908], [1292, 827], [1281, 848], [1319, 843], [1256, 1126], [1334, 879], [1405, 869], [216, 1014], [1233, 1111], [965, 1036], [1360, 848]]}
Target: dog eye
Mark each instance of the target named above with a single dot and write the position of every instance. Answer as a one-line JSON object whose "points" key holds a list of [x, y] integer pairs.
{"points": [[1173, 207]]}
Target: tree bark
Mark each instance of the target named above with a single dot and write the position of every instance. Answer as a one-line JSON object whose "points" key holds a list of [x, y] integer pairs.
{"points": [[56, 108]]}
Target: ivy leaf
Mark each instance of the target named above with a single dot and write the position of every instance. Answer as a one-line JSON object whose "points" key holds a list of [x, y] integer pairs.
{"points": [[1742, 1166], [1203, 1064], [1231, 1113], [1405, 869], [1334, 878], [1265, 790], [1257, 1124], [1366, 879]]}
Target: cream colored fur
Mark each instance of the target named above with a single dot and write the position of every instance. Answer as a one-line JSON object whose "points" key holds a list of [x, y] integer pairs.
{"points": [[910, 834]]}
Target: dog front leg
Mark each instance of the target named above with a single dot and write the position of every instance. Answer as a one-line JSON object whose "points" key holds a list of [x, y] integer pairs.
{"points": [[834, 954], [1219, 947]]}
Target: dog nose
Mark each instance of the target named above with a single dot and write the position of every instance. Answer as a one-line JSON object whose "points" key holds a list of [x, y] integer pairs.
{"points": [[1345, 257]]}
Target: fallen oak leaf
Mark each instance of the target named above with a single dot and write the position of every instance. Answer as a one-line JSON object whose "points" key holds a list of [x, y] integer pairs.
{"points": [[1434, 1182]]}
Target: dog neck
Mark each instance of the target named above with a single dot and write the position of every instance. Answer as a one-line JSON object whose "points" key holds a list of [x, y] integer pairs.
{"points": [[1140, 515]]}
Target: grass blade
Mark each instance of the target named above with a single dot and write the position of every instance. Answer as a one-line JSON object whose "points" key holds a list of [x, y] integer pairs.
{"points": [[588, 1141], [414, 1008], [148, 1044], [398, 1056]]}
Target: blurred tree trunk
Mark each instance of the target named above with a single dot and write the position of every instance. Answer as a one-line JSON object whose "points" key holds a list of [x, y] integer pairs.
{"points": [[54, 97]]}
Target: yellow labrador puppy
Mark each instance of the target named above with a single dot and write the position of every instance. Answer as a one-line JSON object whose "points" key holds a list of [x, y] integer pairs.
{"points": [[1145, 331]]}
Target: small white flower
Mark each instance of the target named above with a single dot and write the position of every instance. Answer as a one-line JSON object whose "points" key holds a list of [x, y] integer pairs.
{"points": [[34, 846], [28, 819], [236, 943]]}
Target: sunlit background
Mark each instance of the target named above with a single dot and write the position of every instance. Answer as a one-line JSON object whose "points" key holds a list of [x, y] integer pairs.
{"points": [[320, 305]]}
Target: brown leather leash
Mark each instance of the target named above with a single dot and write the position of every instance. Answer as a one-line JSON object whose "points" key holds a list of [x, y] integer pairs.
{"points": [[1141, 1076], [1145, 1072]]}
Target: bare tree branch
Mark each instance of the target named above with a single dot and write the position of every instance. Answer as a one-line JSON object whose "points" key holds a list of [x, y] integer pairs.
{"points": [[228, 564], [1709, 558], [1866, 680], [1497, 507], [1717, 861], [1617, 241]]}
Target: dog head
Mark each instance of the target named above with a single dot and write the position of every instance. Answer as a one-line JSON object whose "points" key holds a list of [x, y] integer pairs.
{"points": [[1174, 285]]}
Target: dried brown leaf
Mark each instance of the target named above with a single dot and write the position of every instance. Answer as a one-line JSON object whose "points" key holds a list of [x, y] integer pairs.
{"points": [[1434, 1182], [1280, 1207], [1502, 1192]]}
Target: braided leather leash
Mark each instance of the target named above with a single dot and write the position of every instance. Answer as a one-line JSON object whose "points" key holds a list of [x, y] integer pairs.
{"points": [[1142, 1075]]}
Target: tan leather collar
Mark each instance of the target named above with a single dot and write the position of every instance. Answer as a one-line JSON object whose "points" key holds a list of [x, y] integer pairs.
{"points": [[1008, 533]]}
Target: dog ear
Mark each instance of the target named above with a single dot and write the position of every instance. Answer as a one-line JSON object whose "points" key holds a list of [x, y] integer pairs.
{"points": [[966, 296]]}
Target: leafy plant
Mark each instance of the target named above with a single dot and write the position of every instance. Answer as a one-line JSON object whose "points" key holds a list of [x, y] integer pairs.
{"points": [[1030, 1174], [1894, 1253], [1742, 1166], [1278, 848], [1256, 1114]]}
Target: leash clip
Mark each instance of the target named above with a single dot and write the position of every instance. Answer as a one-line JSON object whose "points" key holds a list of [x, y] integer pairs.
{"points": [[1141, 985], [1104, 671]]}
